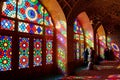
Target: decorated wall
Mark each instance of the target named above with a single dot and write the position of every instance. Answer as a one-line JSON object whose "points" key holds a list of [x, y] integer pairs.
{"points": [[33, 28]]}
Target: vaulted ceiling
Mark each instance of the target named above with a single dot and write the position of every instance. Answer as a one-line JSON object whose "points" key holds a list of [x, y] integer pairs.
{"points": [[105, 12]]}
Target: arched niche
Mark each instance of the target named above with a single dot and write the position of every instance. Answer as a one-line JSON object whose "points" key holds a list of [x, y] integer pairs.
{"points": [[88, 29], [100, 41]]}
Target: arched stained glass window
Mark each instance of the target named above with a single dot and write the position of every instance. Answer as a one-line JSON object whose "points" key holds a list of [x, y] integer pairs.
{"points": [[29, 24], [79, 39]]}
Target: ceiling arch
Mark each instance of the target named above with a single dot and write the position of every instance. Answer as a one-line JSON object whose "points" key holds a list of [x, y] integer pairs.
{"points": [[105, 12]]}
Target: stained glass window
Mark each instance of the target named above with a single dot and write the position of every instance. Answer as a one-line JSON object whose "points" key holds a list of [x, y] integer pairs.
{"points": [[79, 39], [76, 36], [32, 18], [37, 52], [49, 31], [5, 52], [77, 27], [49, 51], [30, 28], [109, 41], [7, 24], [81, 44], [23, 52], [9, 8], [47, 20], [30, 10], [77, 50]]}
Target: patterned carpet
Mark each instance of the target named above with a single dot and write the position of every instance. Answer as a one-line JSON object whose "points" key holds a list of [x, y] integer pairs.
{"points": [[107, 70]]}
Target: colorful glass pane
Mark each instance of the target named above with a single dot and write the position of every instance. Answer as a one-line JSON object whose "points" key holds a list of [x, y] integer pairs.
{"points": [[9, 8], [48, 31], [47, 19], [23, 53], [37, 52], [30, 28], [81, 48], [81, 37], [49, 51], [76, 36], [77, 27], [7, 24], [5, 52], [30, 10], [77, 50]]}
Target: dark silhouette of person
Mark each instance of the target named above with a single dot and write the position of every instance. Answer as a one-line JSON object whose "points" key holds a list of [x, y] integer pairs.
{"points": [[85, 55], [92, 59], [111, 54], [106, 53], [92, 54]]}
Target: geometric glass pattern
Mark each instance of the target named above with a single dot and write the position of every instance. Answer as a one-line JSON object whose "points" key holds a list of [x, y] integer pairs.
{"points": [[49, 51], [77, 27], [5, 52], [37, 53], [78, 38], [30, 28], [7, 24], [9, 8], [23, 52], [49, 31], [30, 10], [47, 19], [81, 37]]}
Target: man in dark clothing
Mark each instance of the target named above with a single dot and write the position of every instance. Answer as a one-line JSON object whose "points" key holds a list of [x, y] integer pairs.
{"points": [[92, 59], [85, 54], [106, 53]]}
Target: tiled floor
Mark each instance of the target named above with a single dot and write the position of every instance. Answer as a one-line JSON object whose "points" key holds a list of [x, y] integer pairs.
{"points": [[107, 70]]}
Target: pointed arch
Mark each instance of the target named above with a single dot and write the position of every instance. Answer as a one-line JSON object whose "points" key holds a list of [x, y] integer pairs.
{"points": [[88, 29], [60, 32], [100, 41]]}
